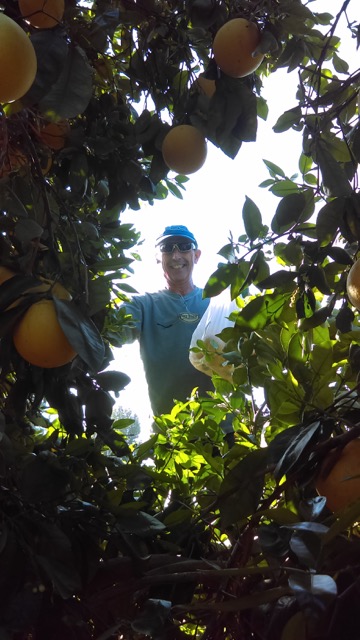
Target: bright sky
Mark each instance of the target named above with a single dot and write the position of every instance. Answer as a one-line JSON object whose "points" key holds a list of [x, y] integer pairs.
{"points": [[212, 207]]}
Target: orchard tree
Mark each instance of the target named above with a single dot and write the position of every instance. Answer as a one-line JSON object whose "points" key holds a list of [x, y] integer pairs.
{"points": [[176, 536]]}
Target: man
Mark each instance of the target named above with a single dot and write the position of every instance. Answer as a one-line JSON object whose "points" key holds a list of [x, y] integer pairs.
{"points": [[164, 322]]}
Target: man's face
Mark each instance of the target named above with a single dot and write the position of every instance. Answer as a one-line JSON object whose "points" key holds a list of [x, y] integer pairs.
{"points": [[178, 265]]}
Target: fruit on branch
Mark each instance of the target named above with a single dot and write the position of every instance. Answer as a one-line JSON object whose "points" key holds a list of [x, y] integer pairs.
{"points": [[339, 476], [235, 46], [43, 14], [184, 149], [353, 285], [54, 134], [18, 63], [38, 336]]}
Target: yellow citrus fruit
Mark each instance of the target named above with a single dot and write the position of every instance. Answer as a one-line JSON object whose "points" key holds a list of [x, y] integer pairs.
{"points": [[353, 285], [43, 14], [205, 85], [184, 149], [39, 338], [234, 45], [18, 64], [341, 486], [54, 134]]}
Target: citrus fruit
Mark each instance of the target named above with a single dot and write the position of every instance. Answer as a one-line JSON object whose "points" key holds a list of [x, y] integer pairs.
{"points": [[39, 338], [353, 285], [54, 134], [43, 14], [184, 149], [18, 62], [341, 486], [234, 45]]}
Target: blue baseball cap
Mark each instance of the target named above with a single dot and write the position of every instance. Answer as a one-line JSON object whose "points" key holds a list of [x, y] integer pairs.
{"points": [[178, 231]]}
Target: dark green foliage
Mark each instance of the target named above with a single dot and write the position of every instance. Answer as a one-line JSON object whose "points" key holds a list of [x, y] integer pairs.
{"points": [[106, 536]]}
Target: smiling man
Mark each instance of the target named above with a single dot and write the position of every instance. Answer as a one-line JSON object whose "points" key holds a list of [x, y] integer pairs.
{"points": [[164, 322]]}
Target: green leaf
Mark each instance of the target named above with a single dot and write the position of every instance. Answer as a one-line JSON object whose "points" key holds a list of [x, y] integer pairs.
{"points": [[231, 117], [262, 310], [71, 94], [290, 210], [274, 169], [252, 219], [174, 190], [284, 187], [51, 52], [317, 278], [152, 618], [319, 587], [287, 120], [297, 451], [112, 380], [241, 490], [221, 279], [318, 318], [81, 333], [290, 253], [138, 522], [340, 65], [278, 280], [262, 108], [328, 220], [334, 177]]}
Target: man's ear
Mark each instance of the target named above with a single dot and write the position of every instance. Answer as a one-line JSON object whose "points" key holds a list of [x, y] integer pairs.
{"points": [[197, 255]]}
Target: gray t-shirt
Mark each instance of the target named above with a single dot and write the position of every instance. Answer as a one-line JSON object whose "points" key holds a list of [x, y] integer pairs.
{"points": [[165, 322]]}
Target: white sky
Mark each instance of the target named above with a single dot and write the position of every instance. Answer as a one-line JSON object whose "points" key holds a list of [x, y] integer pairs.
{"points": [[212, 206]]}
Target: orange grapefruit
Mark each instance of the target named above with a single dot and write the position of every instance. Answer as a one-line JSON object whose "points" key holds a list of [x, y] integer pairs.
{"points": [[18, 64], [54, 134], [353, 285], [43, 14], [341, 486], [39, 338], [234, 45], [184, 149]]}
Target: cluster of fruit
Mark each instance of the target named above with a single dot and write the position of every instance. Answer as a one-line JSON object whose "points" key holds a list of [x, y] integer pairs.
{"points": [[18, 68], [236, 54], [18, 63]]}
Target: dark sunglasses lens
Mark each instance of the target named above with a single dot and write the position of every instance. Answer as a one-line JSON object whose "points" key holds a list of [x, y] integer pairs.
{"points": [[168, 247]]}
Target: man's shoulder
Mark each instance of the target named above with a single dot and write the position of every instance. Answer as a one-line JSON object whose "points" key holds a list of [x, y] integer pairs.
{"points": [[144, 299]]}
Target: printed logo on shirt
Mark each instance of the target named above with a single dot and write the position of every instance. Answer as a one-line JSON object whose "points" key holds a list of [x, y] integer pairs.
{"points": [[189, 317]]}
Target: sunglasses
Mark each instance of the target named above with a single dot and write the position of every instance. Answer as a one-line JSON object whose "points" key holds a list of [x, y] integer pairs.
{"points": [[169, 247]]}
